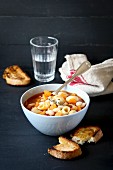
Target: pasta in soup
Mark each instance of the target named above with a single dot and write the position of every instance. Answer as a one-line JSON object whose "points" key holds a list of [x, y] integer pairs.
{"points": [[49, 104]]}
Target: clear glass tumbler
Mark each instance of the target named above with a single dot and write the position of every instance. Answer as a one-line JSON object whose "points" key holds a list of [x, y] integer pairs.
{"points": [[44, 54]]}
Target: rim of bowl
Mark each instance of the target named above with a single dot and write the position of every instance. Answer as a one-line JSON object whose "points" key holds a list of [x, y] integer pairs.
{"points": [[87, 104]]}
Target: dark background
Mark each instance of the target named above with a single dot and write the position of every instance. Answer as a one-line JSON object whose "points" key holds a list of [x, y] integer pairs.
{"points": [[81, 26]]}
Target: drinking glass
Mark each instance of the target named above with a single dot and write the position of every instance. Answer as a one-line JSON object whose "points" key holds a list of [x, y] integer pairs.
{"points": [[44, 55]]}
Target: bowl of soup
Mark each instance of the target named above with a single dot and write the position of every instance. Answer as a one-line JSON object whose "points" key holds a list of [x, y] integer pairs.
{"points": [[54, 114]]}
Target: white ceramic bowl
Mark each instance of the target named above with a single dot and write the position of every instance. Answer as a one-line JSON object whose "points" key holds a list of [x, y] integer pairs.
{"points": [[54, 125]]}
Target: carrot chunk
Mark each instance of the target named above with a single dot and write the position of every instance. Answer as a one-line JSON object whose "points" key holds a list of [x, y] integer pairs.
{"points": [[47, 93]]}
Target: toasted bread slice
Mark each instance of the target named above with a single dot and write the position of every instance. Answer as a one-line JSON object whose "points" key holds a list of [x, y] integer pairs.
{"points": [[87, 134], [14, 75], [67, 149]]}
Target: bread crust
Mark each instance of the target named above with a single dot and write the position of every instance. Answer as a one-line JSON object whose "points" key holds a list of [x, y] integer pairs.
{"points": [[98, 135], [67, 149], [87, 134], [15, 76]]}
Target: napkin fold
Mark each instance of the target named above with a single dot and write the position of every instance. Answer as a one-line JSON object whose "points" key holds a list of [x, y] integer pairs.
{"points": [[95, 81]]}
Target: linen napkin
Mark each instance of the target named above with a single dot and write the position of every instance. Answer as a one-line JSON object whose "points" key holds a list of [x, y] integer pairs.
{"points": [[95, 81]]}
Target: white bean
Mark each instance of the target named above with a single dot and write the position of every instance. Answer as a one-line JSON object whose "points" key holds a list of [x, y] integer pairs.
{"points": [[62, 93], [50, 112], [60, 107], [78, 103], [56, 109], [72, 111], [83, 105], [30, 105], [35, 110]]}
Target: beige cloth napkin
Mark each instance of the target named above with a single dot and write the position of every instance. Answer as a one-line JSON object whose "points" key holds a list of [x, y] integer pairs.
{"points": [[96, 81]]}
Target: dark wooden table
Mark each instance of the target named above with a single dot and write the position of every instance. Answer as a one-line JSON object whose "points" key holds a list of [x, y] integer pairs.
{"points": [[22, 147]]}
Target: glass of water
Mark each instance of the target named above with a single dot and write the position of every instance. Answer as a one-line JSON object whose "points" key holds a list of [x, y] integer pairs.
{"points": [[44, 54]]}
